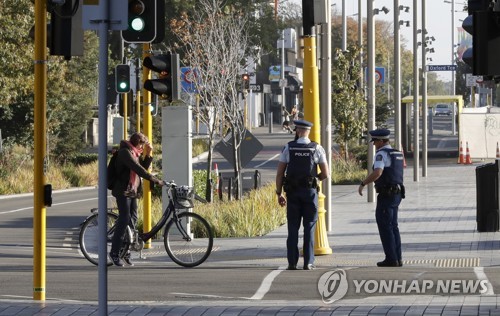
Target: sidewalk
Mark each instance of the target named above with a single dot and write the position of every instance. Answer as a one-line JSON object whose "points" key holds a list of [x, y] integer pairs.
{"points": [[438, 229]]}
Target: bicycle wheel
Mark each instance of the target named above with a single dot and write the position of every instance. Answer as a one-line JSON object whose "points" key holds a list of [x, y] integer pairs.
{"points": [[188, 240], [89, 237]]}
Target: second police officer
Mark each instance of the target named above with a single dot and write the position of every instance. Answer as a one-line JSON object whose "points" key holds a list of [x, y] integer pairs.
{"points": [[300, 160], [388, 177]]}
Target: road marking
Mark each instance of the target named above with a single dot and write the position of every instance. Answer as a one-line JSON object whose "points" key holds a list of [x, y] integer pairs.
{"points": [[55, 204], [479, 271], [268, 160], [265, 286]]}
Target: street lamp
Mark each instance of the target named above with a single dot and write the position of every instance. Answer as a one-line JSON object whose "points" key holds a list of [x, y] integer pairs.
{"points": [[384, 9], [371, 84], [416, 107], [397, 71], [404, 8], [405, 23], [344, 28]]}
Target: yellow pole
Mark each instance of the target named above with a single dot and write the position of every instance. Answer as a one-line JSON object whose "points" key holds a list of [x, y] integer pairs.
{"points": [[311, 114], [148, 131], [138, 111], [125, 115], [40, 160]]}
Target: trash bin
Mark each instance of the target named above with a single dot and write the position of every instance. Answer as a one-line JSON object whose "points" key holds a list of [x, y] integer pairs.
{"points": [[487, 213]]}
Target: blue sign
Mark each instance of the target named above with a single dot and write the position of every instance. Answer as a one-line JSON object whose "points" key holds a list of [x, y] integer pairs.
{"points": [[441, 67], [379, 75], [188, 79]]}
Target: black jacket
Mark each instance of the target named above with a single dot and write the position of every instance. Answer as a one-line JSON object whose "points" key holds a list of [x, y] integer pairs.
{"points": [[125, 162]]}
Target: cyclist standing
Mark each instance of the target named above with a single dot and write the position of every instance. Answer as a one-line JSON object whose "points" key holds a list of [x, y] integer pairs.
{"points": [[133, 160]]}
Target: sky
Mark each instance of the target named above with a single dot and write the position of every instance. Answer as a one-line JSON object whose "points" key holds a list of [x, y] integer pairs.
{"points": [[438, 24]]}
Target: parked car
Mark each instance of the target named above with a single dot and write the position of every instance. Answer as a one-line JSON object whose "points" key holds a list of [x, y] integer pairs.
{"points": [[442, 109]]}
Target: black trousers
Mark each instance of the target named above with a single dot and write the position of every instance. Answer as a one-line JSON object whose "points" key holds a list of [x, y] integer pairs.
{"points": [[302, 205], [127, 214]]}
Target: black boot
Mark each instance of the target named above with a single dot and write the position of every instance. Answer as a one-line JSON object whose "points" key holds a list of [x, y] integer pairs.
{"points": [[116, 260]]}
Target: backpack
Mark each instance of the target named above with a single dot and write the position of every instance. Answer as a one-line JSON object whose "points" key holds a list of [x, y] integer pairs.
{"points": [[112, 175]]}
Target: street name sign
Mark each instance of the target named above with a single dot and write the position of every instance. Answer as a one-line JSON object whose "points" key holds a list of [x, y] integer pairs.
{"points": [[441, 67]]}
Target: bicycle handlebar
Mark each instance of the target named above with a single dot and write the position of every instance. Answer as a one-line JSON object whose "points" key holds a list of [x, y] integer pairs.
{"points": [[169, 184]]}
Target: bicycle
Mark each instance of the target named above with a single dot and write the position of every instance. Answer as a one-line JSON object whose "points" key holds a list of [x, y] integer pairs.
{"points": [[188, 238]]}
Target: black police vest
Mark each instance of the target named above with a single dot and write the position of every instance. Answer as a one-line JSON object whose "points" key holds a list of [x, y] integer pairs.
{"points": [[394, 174], [301, 163]]}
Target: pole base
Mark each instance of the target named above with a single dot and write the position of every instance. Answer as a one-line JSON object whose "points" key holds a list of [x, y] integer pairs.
{"points": [[321, 245]]}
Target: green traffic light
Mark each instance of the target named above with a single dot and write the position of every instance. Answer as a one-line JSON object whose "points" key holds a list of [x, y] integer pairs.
{"points": [[137, 24], [123, 86], [122, 78]]}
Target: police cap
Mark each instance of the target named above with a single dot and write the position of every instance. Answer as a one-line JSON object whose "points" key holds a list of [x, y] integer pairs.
{"points": [[379, 134], [302, 124]]}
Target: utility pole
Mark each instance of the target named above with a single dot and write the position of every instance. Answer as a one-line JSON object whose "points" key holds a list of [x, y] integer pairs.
{"points": [[371, 91], [397, 77], [326, 108]]}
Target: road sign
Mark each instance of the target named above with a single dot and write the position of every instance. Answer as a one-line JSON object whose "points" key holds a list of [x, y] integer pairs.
{"points": [[249, 148], [188, 78], [379, 75], [473, 81], [441, 67]]}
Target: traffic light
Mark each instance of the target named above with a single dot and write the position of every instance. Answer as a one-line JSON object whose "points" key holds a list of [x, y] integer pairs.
{"points": [[141, 21], [122, 78], [245, 78], [167, 85], [66, 32], [154, 106], [482, 25]]}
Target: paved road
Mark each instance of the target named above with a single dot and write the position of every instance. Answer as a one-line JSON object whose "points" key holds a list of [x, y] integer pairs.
{"points": [[443, 254]]}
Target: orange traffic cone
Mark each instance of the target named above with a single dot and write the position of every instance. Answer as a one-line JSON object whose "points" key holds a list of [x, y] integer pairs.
{"points": [[468, 160], [461, 159], [498, 151]]}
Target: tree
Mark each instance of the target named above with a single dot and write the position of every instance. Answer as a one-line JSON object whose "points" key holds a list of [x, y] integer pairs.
{"points": [[71, 85], [348, 104], [214, 42]]}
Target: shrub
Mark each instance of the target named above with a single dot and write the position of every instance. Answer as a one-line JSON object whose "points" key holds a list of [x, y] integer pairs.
{"points": [[82, 159]]}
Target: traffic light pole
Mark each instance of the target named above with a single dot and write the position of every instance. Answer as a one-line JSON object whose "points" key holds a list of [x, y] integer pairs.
{"points": [[311, 113], [125, 115], [102, 193], [40, 131], [125, 106], [148, 131], [137, 97]]}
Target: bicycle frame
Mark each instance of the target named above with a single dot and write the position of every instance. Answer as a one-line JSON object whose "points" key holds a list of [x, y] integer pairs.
{"points": [[163, 220], [170, 210]]}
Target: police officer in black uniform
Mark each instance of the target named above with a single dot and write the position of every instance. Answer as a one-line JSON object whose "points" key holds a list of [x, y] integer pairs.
{"points": [[300, 159], [388, 177]]}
